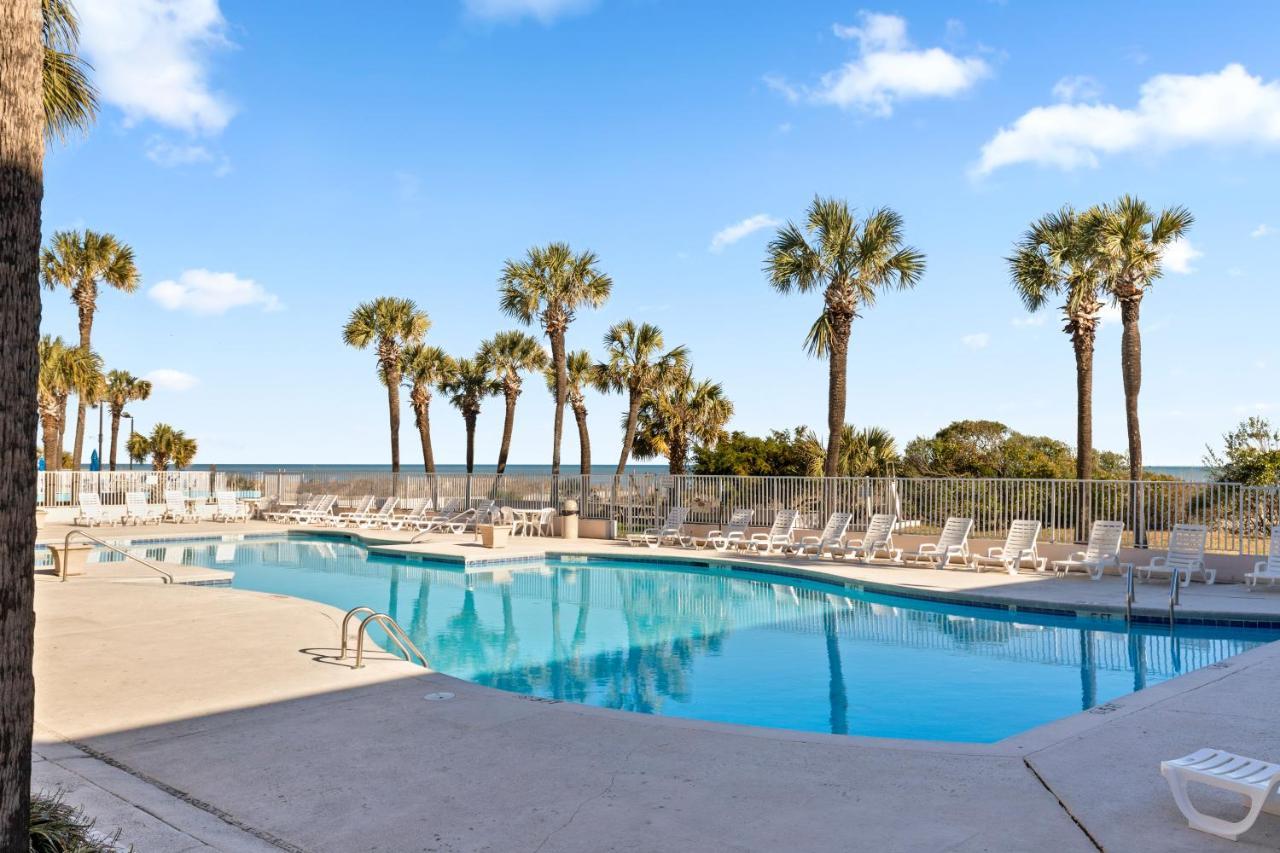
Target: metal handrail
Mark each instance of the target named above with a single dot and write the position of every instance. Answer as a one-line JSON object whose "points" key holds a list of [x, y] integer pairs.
{"points": [[390, 625], [1175, 590], [66, 543], [1129, 593]]}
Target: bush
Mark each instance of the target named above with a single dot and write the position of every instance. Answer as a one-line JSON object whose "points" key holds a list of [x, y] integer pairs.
{"points": [[57, 827]]}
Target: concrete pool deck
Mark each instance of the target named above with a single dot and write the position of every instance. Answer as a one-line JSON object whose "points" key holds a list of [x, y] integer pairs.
{"points": [[222, 717]]}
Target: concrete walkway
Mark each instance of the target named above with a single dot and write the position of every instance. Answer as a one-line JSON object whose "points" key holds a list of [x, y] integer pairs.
{"points": [[217, 719]]}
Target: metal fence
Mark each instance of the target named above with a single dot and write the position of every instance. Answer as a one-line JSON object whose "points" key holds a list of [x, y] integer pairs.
{"points": [[1239, 517]]}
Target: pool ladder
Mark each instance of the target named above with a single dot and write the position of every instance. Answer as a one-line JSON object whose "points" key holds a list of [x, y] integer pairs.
{"points": [[388, 624], [1175, 594]]}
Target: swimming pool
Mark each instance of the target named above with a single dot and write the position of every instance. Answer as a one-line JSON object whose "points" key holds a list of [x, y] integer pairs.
{"points": [[732, 646]]}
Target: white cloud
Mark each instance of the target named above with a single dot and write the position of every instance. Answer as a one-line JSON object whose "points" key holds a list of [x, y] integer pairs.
{"points": [[888, 69], [170, 155], [1081, 87], [151, 59], [1110, 315], [168, 379], [202, 291], [544, 11], [976, 341], [1173, 111], [1029, 320], [731, 234], [1253, 408], [1263, 230], [1179, 255]]}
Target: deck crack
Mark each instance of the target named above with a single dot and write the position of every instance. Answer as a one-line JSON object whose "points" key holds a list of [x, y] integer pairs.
{"points": [[1087, 834]]}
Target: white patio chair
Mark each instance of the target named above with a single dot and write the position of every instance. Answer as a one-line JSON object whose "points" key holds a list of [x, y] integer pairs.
{"points": [[321, 513], [545, 523], [229, 508], [137, 511], [722, 540], [878, 539], [1256, 781], [461, 522], [363, 507], [670, 532], [832, 537], [91, 512], [369, 518], [1103, 550], [412, 518], [780, 536], [1185, 556], [1269, 569], [283, 515], [952, 542], [1019, 548], [175, 507]]}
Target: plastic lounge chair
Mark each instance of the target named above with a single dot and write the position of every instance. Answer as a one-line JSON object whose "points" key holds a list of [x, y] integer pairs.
{"points": [[734, 532], [368, 517], [411, 519], [831, 538], [363, 507], [175, 507], [877, 540], [1269, 569], [1186, 556], [952, 542], [779, 537], [91, 512], [136, 510], [283, 515], [229, 509], [1252, 779], [321, 513], [1018, 549], [671, 531], [1103, 550], [461, 522]]}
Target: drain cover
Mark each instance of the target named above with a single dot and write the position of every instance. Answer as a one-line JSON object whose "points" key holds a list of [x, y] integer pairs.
{"points": [[438, 697]]}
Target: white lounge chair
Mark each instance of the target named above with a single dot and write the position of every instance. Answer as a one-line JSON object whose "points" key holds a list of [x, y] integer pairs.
{"points": [[1103, 550], [1019, 548], [137, 511], [671, 531], [1256, 781], [779, 537], [228, 508], [832, 537], [91, 511], [878, 539], [1269, 569], [724, 539], [369, 518], [412, 518], [461, 522], [320, 513], [1186, 556], [282, 515], [952, 542], [175, 507], [363, 507]]}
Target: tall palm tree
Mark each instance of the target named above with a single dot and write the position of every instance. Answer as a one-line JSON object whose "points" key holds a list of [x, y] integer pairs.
{"points": [[138, 448], [850, 263], [389, 323], [184, 450], [550, 284], [425, 367], [1057, 256], [64, 370], [581, 375], [69, 100], [467, 388], [634, 364], [1131, 238], [683, 411], [83, 262], [506, 356], [122, 388]]}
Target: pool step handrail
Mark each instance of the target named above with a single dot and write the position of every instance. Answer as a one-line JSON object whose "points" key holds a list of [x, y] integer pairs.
{"points": [[1175, 595], [66, 544], [1129, 594], [388, 624]]}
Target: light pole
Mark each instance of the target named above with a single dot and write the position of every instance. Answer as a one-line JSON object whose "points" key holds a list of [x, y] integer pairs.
{"points": [[101, 461], [130, 417]]}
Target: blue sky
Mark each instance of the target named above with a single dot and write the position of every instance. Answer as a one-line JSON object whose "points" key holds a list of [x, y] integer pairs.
{"points": [[273, 168]]}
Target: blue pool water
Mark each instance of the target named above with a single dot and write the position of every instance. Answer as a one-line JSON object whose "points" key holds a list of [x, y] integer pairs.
{"points": [[730, 646]]}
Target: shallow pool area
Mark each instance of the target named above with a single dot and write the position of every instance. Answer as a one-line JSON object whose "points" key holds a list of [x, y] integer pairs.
{"points": [[730, 646]]}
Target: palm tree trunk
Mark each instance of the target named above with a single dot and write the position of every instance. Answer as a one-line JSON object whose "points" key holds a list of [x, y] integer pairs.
{"points": [[508, 424], [471, 441], [115, 435], [62, 430], [393, 406], [584, 440], [78, 446], [422, 417], [1083, 344], [629, 435], [838, 370], [1131, 369], [86, 335], [21, 190], [562, 384], [49, 430], [836, 689]]}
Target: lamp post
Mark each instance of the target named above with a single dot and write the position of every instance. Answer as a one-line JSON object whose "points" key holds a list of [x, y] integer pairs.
{"points": [[130, 417], [101, 460]]}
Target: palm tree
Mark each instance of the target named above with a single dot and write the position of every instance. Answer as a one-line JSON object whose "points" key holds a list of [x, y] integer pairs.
{"points": [[184, 450], [122, 389], [165, 445], [64, 371], [138, 447], [635, 364], [1131, 238], [390, 323], [467, 387], [550, 285], [70, 101], [82, 262], [683, 411], [869, 452], [506, 356], [581, 375], [1057, 256], [850, 264], [424, 368]]}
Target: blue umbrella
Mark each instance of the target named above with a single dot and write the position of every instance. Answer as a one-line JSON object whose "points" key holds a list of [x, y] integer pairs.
{"points": [[95, 464], [40, 464]]}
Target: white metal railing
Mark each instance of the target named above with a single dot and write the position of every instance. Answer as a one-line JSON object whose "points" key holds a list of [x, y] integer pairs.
{"points": [[63, 488]]}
